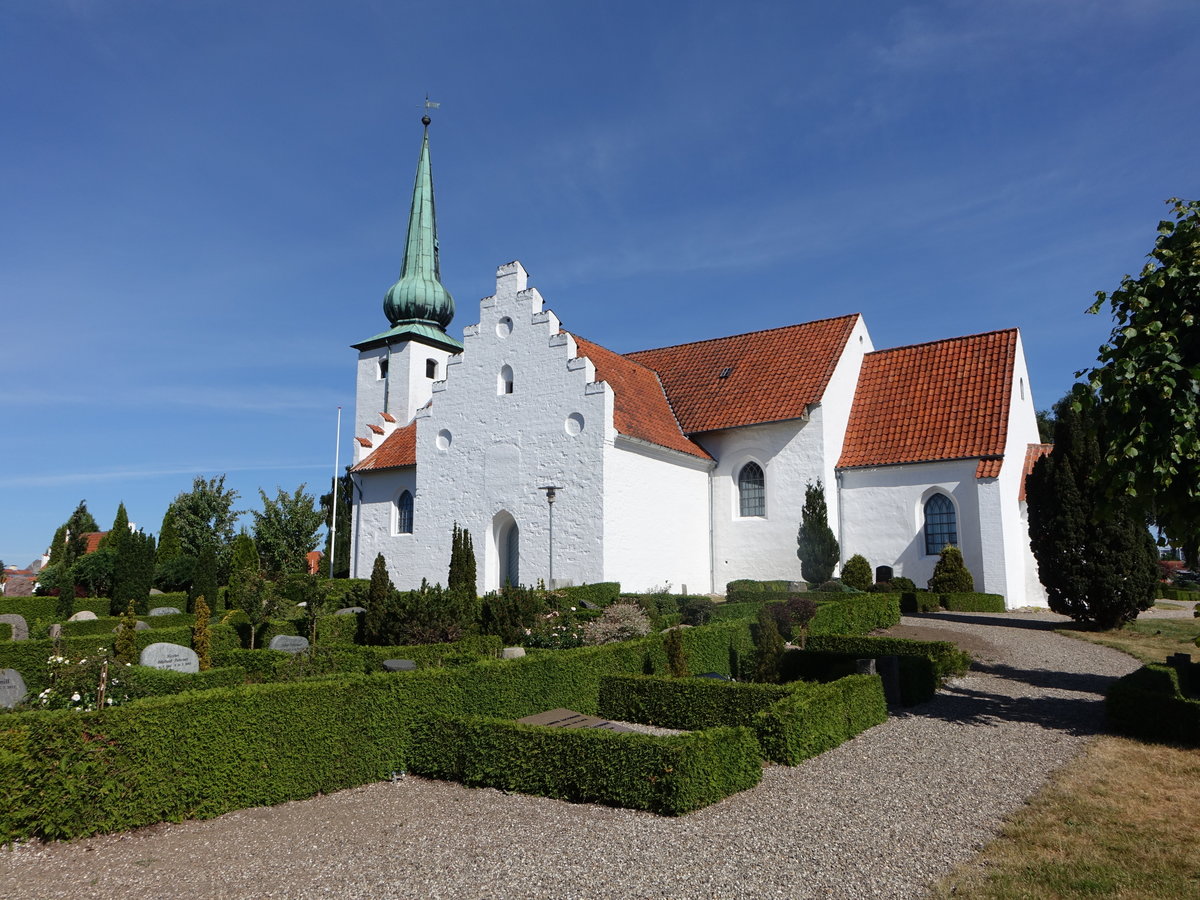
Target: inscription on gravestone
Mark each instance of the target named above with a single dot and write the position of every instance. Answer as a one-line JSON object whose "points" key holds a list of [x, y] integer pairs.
{"points": [[164, 611], [12, 688], [170, 656], [568, 718], [20, 628], [289, 643]]}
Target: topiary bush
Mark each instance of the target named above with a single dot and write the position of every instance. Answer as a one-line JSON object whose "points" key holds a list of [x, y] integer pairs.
{"points": [[620, 622], [857, 572], [950, 575]]}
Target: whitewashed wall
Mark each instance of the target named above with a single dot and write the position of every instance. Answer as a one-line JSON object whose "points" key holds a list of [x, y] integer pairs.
{"points": [[656, 518], [406, 389]]}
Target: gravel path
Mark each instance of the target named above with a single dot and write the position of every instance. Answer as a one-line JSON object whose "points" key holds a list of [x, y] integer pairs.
{"points": [[883, 815]]}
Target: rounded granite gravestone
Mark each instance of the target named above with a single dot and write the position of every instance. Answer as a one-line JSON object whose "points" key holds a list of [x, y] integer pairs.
{"points": [[20, 628], [399, 665], [350, 610], [512, 653], [288, 643], [12, 688], [164, 611], [84, 615], [174, 657]]}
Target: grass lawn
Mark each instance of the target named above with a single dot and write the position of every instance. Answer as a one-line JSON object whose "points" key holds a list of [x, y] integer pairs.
{"points": [[1120, 821]]}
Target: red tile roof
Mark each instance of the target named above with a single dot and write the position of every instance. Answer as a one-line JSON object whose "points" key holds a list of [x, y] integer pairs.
{"points": [[769, 375], [387, 417], [640, 407], [942, 400], [1033, 453], [312, 560], [93, 539], [375, 428], [398, 449]]}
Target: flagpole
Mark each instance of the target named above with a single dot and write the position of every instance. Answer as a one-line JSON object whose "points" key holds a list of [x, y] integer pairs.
{"points": [[337, 446]]}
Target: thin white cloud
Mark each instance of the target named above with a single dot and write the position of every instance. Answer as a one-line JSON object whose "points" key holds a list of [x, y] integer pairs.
{"points": [[59, 479]]}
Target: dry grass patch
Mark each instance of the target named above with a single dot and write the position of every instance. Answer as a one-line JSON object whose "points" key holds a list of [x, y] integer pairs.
{"points": [[1150, 640], [1121, 821]]}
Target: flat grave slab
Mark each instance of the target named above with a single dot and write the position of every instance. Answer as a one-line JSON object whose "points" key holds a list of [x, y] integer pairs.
{"points": [[12, 688], [174, 657], [20, 628], [568, 718]]}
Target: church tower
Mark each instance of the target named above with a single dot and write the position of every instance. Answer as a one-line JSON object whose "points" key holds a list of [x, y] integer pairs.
{"points": [[398, 367]]}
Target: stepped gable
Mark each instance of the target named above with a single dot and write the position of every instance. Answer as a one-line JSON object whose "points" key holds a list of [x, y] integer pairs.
{"points": [[1033, 453], [769, 376], [640, 407], [398, 449], [942, 400]]}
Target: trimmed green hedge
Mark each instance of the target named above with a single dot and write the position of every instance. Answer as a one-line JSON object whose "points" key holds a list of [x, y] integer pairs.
{"points": [[666, 775], [5, 631], [30, 657], [689, 704], [177, 599], [857, 614], [144, 681], [749, 585], [756, 595], [814, 718], [602, 593], [1151, 705], [1170, 593], [47, 607], [924, 665], [926, 601]]}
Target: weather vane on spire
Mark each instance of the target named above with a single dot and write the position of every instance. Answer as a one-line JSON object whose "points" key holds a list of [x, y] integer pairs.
{"points": [[429, 104]]}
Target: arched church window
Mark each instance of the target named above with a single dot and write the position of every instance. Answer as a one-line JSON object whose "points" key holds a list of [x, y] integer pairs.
{"points": [[504, 383], [404, 513], [752, 490], [941, 524]]}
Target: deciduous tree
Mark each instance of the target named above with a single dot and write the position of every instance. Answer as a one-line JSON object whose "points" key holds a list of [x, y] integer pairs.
{"points": [[1148, 383], [286, 530], [205, 515]]}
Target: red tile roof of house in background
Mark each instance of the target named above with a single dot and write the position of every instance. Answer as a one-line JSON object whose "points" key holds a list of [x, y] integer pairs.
{"points": [[773, 375], [1033, 453], [398, 449], [942, 400], [313, 560], [640, 407], [93, 539]]}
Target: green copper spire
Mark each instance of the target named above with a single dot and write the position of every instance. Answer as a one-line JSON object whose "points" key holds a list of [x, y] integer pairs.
{"points": [[419, 298]]}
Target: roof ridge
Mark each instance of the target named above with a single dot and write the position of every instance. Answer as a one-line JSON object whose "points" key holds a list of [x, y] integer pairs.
{"points": [[743, 334], [961, 337]]}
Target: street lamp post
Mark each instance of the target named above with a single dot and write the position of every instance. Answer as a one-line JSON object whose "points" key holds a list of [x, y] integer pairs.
{"points": [[551, 494]]}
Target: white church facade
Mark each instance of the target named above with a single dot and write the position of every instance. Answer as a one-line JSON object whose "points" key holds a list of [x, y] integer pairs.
{"points": [[683, 466]]}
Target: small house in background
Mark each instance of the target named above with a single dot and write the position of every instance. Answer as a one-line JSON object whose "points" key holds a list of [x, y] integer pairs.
{"points": [[313, 562]]}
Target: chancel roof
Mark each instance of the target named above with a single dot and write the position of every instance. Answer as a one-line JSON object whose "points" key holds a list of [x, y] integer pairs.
{"points": [[942, 400], [398, 449]]}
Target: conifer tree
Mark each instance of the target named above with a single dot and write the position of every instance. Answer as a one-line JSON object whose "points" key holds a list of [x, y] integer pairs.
{"points": [[857, 572], [169, 545], [204, 579], [125, 646], [817, 546], [677, 663], [470, 580], [120, 527], [202, 634], [768, 644], [1096, 559], [379, 596], [133, 571], [461, 579], [243, 562]]}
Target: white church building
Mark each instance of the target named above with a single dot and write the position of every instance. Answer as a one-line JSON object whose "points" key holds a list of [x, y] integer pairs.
{"points": [[684, 465]]}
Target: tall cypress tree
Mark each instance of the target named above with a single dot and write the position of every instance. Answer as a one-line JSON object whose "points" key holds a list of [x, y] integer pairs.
{"points": [[204, 579], [120, 527], [470, 580], [1097, 562], [379, 597], [169, 545], [133, 572], [817, 546]]}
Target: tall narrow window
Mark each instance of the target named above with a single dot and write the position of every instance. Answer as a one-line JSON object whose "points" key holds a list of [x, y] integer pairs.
{"points": [[504, 382], [383, 368], [431, 368], [752, 492], [941, 526], [404, 513]]}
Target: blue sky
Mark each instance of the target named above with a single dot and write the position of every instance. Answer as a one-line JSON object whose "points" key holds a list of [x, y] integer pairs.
{"points": [[204, 201]]}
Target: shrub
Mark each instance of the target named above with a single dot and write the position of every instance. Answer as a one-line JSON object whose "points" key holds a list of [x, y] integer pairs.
{"points": [[834, 586], [602, 593], [816, 545], [620, 622], [768, 647], [125, 645], [972, 602], [201, 635], [1150, 704], [697, 610], [950, 575], [920, 602], [511, 613], [902, 584], [857, 572], [676, 657]]}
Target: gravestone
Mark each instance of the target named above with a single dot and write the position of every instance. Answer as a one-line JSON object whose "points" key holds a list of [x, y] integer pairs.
{"points": [[170, 656], [84, 615], [288, 643], [797, 587], [568, 718], [587, 604], [139, 625], [350, 610], [55, 631], [888, 668], [20, 628], [164, 611], [864, 666], [399, 665], [512, 652], [12, 688]]}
